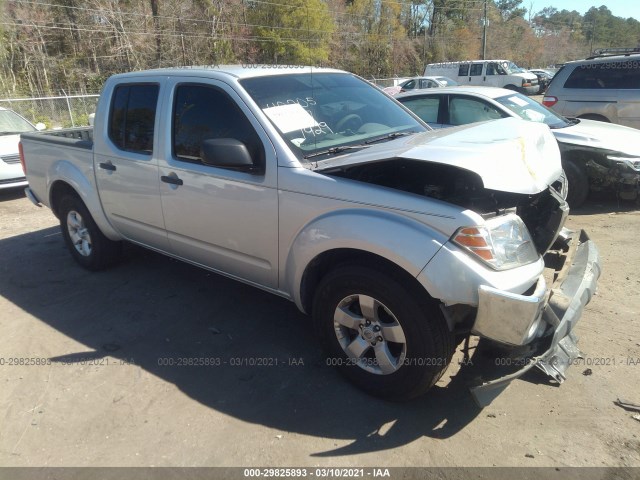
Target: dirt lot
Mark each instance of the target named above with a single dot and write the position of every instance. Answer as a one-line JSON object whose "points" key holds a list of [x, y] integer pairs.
{"points": [[107, 397]]}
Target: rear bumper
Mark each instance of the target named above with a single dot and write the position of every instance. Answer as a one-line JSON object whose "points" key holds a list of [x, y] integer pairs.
{"points": [[552, 313], [32, 197]]}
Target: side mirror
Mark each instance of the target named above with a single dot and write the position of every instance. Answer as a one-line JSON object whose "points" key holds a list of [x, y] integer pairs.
{"points": [[228, 153], [40, 126]]}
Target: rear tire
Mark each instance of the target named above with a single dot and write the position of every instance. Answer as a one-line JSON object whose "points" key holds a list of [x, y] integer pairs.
{"points": [[578, 183], [388, 338], [87, 244]]}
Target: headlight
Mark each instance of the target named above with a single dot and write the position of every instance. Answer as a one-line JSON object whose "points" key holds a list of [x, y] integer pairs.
{"points": [[502, 243], [631, 162]]}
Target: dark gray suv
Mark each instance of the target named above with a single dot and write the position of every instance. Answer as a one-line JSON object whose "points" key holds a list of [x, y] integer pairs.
{"points": [[605, 87]]}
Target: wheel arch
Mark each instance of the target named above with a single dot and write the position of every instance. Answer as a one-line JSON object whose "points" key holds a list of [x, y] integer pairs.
{"points": [[380, 237], [68, 181], [328, 260], [57, 191], [594, 116]]}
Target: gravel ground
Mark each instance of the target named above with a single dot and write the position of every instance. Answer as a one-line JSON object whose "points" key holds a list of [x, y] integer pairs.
{"points": [[85, 380]]}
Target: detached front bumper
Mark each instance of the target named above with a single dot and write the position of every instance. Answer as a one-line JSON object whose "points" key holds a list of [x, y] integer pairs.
{"points": [[545, 318]]}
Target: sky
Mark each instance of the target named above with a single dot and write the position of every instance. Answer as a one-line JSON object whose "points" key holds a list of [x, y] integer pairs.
{"points": [[620, 8]]}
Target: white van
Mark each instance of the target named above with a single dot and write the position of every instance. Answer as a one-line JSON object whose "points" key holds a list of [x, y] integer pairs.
{"points": [[490, 73]]}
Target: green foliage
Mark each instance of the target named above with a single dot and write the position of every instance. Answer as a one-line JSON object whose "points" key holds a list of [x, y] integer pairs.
{"points": [[510, 9], [67, 46], [296, 32]]}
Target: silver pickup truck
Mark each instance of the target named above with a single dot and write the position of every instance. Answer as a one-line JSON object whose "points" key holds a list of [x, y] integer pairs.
{"points": [[312, 184]]}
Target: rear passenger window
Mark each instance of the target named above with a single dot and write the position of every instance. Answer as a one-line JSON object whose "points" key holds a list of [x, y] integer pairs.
{"points": [[476, 69], [425, 108], [201, 113], [133, 116], [463, 71], [605, 75]]}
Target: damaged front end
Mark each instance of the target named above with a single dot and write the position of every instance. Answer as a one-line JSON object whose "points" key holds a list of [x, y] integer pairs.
{"points": [[535, 328], [608, 170], [573, 268]]}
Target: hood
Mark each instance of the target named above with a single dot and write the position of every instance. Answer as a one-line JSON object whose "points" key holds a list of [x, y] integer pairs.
{"points": [[9, 144], [601, 135], [509, 155]]}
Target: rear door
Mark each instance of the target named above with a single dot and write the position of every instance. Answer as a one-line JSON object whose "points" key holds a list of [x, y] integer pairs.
{"points": [[126, 166], [223, 219], [476, 73]]}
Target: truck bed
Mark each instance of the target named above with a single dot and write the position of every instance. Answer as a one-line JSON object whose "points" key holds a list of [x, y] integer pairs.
{"points": [[74, 137]]}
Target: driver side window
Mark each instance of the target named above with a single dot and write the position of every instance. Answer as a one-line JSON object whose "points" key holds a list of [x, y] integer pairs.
{"points": [[202, 112], [410, 85]]}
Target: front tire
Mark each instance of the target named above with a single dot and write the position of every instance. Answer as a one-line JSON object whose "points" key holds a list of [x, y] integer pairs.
{"points": [[87, 244], [385, 335], [578, 183]]}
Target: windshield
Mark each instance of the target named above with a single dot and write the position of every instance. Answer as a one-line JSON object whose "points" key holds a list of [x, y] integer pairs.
{"points": [[511, 68], [325, 112], [531, 110], [11, 122], [447, 81]]}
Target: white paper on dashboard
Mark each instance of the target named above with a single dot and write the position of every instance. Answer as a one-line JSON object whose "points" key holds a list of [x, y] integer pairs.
{"points": [[290, 117], [519, 101]]}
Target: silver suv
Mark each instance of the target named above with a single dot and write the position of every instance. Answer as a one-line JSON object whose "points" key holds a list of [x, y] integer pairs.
{"points": [[605, 87]]}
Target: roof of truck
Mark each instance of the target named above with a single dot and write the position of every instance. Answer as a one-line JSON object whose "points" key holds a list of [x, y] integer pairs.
{"points": [[455, 62], [490, 92], [237, 71]]}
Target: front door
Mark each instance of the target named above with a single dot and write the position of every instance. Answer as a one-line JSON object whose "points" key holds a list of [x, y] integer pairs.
{"points": [[223, 219]]}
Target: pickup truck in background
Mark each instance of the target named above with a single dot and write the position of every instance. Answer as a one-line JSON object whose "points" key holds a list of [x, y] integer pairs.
{"points": [[316, 186]]}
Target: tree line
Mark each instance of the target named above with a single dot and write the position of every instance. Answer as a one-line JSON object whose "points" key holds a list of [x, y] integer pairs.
{"points": [[51, 46]]}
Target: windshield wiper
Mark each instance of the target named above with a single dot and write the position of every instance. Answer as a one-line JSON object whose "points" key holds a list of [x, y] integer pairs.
{"points": [[390, 136], [334, 150], [11, 133]]}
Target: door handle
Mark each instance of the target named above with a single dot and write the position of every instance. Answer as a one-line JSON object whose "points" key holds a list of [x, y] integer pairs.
{"points": [[108, 166], [172, 180]]}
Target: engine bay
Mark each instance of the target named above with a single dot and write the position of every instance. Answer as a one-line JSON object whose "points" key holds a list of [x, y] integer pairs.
{"points": [[543, 213]]}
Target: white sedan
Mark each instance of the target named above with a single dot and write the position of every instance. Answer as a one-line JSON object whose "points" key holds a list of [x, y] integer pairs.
{"points": [[421, 83], [595, 155], [11, 126]]}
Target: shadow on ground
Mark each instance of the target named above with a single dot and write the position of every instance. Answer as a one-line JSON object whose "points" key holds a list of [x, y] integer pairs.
{"points": [[11, 194], [151, 308]]}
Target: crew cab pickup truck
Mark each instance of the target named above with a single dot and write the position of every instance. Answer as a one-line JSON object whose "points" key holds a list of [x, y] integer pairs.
{"points": [[312, 184]]}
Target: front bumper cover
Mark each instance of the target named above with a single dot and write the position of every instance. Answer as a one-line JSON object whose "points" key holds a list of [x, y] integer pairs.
{"points": [[576, 264]]}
